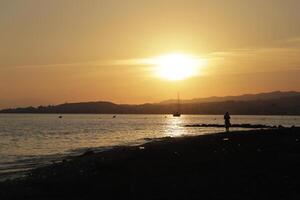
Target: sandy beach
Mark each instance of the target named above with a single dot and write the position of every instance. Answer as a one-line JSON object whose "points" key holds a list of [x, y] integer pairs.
{"points": [[258, 164]]}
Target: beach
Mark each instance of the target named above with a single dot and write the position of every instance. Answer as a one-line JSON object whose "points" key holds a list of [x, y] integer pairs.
{"points": [[146, 99], [256, 164]]}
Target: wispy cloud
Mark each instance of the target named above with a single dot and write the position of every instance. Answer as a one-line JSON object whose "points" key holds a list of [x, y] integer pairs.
{"points": [[255, 60], [148, 61], [284, 55]]}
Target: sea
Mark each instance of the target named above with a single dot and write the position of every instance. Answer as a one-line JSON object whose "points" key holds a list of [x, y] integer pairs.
{"points": [[28, 141]]}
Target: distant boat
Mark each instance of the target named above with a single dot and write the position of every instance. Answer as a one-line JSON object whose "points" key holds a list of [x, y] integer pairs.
{"points": [[114, 116], [177, 113], [60, 117]]}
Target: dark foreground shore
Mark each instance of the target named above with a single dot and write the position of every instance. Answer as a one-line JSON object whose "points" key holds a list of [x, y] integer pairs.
{"points": [[259, 164]]}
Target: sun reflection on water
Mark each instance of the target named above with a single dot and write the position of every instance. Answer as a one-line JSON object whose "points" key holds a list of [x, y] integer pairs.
{"points": [[174, 127]]}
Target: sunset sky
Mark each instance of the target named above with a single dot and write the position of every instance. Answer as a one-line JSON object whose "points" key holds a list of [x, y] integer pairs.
{"points": [[60, 51]]}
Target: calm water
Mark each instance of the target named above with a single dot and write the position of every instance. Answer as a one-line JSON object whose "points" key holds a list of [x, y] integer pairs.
{"points": [[31, 140]]}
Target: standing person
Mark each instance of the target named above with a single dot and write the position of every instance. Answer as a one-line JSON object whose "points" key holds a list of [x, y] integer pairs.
{"points": [[227, 121]]}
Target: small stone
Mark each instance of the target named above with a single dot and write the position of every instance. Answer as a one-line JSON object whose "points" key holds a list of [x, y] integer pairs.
{"points": [[258, 150]]}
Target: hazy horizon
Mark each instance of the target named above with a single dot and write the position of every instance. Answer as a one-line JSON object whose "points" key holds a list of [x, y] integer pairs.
{"points": [[65, 51], [164, 100]]}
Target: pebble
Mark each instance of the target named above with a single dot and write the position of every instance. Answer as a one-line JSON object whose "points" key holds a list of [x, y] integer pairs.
{"points": [[258, 150]]}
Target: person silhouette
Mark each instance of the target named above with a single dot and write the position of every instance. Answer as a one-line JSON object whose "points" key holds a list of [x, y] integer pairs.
{"points": [[227, 121]]}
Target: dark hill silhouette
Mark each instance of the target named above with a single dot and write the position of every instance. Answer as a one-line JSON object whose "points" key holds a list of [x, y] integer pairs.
{"points": [[245, 97], [264, 104]]}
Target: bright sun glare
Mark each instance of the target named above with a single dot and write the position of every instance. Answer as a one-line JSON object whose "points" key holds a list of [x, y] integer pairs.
{"points": [[177, 66]]}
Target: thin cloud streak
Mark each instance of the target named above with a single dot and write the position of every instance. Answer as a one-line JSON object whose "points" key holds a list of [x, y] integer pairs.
{"points": [[283, 56]]}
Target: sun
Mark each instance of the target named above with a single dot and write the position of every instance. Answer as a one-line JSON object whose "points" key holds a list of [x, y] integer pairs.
{"points": [[176, 66]]}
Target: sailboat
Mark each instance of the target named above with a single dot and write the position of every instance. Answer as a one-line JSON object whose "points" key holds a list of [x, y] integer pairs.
{"points": [[177, 113]]}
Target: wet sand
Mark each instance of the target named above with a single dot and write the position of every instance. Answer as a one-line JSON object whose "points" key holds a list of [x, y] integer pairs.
{"points": [[258, 164]]}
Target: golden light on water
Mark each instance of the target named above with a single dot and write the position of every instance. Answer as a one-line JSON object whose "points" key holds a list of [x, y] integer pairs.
{"points": [[176, 66]]}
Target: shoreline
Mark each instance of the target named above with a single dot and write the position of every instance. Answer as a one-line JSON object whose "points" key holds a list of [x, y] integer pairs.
{"points": [[21, 171], [243, 164]]}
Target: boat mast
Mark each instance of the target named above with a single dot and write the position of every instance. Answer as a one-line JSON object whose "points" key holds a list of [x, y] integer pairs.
{"points": [[178, 103]]}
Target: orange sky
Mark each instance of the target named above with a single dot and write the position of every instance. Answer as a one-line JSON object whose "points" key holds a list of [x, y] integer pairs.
{"points": [[67, 51]]}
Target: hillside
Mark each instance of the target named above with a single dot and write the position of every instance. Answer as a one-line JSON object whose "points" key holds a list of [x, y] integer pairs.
{"points": [[262, 104], [245, 97]]}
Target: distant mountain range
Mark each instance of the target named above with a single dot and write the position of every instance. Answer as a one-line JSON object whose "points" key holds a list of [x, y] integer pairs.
{"points": [[273, 103], [245, 97]]}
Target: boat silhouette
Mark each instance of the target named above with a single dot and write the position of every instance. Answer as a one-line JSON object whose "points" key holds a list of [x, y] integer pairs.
{"points": [[177, 113]]}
